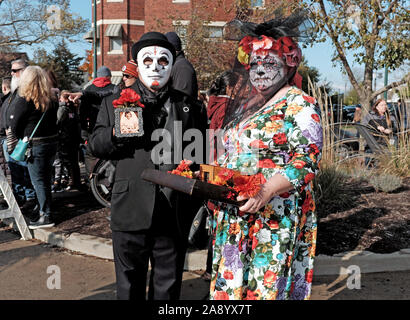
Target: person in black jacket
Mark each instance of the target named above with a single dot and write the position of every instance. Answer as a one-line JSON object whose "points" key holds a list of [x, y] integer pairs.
{"points": [[20, 179], [183, 75], [149, 222], [91, 98], [35, 109], [5, 90], [69, 134]]}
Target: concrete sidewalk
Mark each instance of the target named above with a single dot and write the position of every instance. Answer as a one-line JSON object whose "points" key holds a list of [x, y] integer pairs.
{"points": [[340, 264], [24, 274]]}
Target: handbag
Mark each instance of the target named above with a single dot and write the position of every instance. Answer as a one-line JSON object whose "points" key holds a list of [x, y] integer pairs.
{"points": [[21, 150], [200, 230]]}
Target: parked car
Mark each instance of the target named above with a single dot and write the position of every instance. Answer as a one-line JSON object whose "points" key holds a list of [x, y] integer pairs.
{"points": [[348, 112]]}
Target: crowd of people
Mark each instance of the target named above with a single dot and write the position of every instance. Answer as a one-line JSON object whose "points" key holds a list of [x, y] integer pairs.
{"points": [[263, 249]]}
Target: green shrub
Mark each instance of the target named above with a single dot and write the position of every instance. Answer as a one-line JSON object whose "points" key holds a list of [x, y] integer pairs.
{"points": [[333, 191], [385, 182]]}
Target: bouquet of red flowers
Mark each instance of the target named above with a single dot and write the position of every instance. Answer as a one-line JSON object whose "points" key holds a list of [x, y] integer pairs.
{"points": [[129, 98], [238, 184]]}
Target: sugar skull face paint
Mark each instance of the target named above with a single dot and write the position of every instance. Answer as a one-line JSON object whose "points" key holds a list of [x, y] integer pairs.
{"points": [[267, 72], [154, 66]]}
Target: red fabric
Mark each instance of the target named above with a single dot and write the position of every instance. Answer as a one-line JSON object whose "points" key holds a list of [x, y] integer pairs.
{"points": [[216, 111], [102, 82], [297, 80]]}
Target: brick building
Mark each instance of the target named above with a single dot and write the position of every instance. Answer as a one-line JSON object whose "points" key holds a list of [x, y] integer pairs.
{"points": [[120, 23]]}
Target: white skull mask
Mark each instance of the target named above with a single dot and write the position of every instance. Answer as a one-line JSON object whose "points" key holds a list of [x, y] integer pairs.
{"points": [[267, 72], [154, 66]]}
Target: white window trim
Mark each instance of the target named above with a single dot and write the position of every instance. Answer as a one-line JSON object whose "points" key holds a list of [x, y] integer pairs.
{"points": [[181, 1], [215, 24], [115, 52], [115, 0], [180, 22], [121, 21]]}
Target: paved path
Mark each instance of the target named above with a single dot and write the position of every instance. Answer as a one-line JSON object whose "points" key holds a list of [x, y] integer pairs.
{"points": [[24, 264]]}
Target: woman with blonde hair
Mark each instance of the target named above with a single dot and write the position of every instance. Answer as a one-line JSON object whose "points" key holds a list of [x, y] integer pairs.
{"points": [[34, 107]]}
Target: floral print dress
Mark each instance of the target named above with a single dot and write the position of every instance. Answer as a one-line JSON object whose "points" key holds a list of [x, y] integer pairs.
{"points": [[269, 255]]}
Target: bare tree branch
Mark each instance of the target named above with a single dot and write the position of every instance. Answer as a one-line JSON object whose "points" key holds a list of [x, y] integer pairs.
{"points": [[392, 85], [339, 48]]}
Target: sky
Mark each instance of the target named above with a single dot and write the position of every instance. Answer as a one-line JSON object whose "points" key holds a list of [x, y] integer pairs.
{"points": [[318, 56]]}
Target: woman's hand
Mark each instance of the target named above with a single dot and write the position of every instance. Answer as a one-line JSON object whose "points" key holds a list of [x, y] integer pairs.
{"points": [[380, 128], [275, 185], [258, 201]]}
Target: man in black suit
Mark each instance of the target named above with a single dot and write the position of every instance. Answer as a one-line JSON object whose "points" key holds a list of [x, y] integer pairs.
{"points": [[148, 222]]}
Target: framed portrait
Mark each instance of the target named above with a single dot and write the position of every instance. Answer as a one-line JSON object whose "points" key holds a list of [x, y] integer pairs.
{"points": [[128, 122]]}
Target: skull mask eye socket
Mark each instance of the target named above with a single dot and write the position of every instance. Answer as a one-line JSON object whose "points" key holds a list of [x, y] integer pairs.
{"points": [[163, 61], [147, 61]]}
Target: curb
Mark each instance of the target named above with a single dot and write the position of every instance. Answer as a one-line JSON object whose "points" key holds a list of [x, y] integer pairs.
{"points": [[339, 264], [102, 247]]}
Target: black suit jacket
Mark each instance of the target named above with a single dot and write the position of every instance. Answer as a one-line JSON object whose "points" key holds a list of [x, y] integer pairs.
{"points": [[133, 199]]}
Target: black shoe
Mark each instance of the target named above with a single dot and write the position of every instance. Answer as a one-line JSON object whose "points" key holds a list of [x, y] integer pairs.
{"points": [[44, 221], [28, 206]]}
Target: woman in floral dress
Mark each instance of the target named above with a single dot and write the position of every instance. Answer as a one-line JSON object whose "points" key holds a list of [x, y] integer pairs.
{"points": [[265, 248]]}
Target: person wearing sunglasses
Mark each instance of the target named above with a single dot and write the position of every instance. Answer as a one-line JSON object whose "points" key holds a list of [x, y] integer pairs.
{"points": [[129, 74], [20, 180]]}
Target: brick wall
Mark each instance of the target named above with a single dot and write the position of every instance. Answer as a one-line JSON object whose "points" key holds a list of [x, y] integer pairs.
{"points": [[139, 16]]}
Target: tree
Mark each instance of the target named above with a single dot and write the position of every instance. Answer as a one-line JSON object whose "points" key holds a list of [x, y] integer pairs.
{"points": [[204, 45], [37, 21], [375, 31], [88, 66], [351, 97], [63, 63]]}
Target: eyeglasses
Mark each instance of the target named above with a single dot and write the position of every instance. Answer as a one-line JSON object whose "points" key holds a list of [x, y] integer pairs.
{"points": [[16, 70], [127, 76]]}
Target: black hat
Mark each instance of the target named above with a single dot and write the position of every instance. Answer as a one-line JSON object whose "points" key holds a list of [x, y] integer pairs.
{"points": [[152, 39]]}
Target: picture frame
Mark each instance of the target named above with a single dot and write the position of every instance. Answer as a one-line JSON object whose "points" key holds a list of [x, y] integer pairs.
{"points": [[128, 122]]}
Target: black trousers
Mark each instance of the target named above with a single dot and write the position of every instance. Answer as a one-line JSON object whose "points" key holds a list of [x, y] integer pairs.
{"points": [[163, 246]]}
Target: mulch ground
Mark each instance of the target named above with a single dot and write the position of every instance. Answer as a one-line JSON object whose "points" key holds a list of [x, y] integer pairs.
{"points": [[374, 221]]}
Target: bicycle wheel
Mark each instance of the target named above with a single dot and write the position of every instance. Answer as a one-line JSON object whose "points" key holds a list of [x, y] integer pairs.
{"points": [[100, 186]]}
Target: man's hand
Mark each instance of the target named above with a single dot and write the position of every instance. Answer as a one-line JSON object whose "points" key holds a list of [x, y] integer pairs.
{"points": [[75, 96]]}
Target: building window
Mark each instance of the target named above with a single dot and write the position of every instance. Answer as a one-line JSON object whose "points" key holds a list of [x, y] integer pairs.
{"points": [[181, 31], [257, 3], [116, 44], [214, 32]]}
